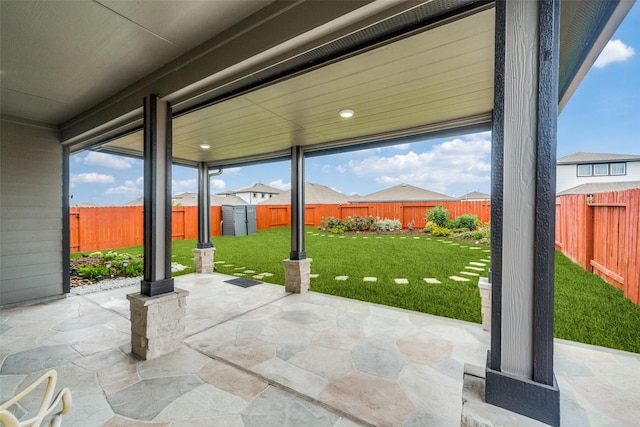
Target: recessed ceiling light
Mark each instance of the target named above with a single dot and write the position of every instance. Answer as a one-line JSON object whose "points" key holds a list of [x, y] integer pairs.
{"points": [[346, 113], [205, 146]]}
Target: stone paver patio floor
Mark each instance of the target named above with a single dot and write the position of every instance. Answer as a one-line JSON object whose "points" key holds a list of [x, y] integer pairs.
{"points": [[258, 356]]}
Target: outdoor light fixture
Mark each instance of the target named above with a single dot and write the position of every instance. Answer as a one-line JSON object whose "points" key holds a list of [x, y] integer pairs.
{"points": [[125, 262], [108, 265], [346, 113], [205, 146]]}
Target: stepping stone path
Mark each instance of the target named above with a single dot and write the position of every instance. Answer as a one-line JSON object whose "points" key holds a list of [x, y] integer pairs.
{"points": [[401, 281], [228, 265], [479, 264], [249, 271], [416, 238], [342, 278], [485, 260], [220, 262], [474, 248], [239, 274], [459, 279], [432, 280], [486, 250], [313, 276], [370, 279], [468, 273], [331, 236], [474, 268], [240, 268]]}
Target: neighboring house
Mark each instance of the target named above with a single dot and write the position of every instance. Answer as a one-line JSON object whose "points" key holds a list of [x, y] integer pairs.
{"points": [[253, 194], [584, 168], [475, 195], [314, 194], [403, 193]]}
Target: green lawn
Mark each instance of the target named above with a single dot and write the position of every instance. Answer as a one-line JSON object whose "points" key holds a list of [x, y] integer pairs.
{"points": [[587, 309]]}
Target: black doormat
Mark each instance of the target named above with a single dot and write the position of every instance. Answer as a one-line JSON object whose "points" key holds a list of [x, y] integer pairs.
{"points": [[244, 283]]}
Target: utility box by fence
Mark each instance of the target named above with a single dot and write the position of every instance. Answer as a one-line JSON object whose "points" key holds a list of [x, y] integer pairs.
{"points": [[238, 220]]}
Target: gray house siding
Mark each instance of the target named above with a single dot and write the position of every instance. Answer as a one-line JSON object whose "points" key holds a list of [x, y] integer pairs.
{"points": [[30, 213]]}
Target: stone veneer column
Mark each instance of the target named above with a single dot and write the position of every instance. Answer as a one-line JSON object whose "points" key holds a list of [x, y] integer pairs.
{"points": [[297, 275], [157, 323], [485, 296], [203, 259]]}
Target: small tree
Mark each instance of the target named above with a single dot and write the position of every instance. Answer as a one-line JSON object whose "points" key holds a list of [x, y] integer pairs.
{"points": [[439, 215]]}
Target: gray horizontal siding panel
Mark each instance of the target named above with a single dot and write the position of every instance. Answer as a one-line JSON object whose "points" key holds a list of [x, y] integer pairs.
{"points": [[12, 212], [29, 294], [43, 224], [31, 214], [22, 248], [10, 237], [36, 269]]}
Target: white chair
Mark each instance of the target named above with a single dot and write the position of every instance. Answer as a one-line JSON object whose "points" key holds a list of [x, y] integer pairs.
{"points": [[47, 406]]}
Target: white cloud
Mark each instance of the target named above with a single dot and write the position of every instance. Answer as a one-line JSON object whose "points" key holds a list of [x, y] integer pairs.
{"points": [[218, 184], [278, 183], [402, 147], [133, 188], [231, 170], [107, 160], [184, 186], [91, 177], [460, 160], [614, 51]]}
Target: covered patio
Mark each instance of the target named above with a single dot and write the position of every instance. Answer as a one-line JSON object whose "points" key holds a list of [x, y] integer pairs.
{"points": [[219, 84], [259, 356]]}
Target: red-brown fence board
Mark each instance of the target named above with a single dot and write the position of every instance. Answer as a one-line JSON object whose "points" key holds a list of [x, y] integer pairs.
{"points": [[603, 236]]}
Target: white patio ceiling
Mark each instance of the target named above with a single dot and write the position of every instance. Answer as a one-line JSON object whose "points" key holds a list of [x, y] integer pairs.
{"points": [[417, 84]]}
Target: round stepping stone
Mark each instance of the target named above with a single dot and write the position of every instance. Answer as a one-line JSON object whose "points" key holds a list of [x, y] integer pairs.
{"points": [[486, 260], [249, 271], [239, 274], [258, 276], [378, 237], [486, 250], [332, 236], [474, 268], [479, 264], [240, 268], [220, 262], [403, 237], [432, 280], [228, 265], [401, 281], [341, 237], [468, 273], [370, 279], [474, 248], [459, 279], [267, 274], [313, 276], [342, 278], [416, 238]]}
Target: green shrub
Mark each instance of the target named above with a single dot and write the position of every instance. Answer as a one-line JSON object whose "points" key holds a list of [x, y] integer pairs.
{"points": [[468, 221], [439, 215], [440, 231], [389, 225], [429, 226], [451, 224], [92, 271]]}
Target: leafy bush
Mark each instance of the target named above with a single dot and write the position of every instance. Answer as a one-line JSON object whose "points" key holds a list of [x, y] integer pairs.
{"points": [[468, 221], [440, 231], [389, 225], [439, 215], [97, 254], [451, 224], [429, 226], [92, 271]]}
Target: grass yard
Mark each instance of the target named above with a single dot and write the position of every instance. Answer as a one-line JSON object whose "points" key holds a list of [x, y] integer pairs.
{"points": [[587, 309]]}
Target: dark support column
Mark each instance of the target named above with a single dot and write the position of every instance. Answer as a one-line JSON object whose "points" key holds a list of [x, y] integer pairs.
{"points": [[157, 197], [204, 208], [66, 227], [297, 204], [519, 372]]}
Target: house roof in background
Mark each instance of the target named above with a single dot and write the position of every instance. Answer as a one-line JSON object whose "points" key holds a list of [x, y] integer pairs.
{"points": [[600, 187], [191, 199], [475, 195], [583, 157], [404, 193], [255, 188], [314, 194]]}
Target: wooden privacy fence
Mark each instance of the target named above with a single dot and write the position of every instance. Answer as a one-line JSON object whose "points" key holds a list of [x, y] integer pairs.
{"points": [[603, 236], [98, 228], [269, 216]]}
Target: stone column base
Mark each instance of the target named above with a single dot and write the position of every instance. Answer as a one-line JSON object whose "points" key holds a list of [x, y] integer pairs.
{"points": [[157, 323], [297, 275], [476, 412], [203, 259], [485, 295]]}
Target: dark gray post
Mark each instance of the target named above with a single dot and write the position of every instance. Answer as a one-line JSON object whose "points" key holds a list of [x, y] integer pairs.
{"points": [[297, 204], [204, 207], [157, 197], [519, 373], [66, 227]]}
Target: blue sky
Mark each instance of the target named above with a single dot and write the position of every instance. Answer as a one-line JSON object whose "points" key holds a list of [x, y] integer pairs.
{"points": [[603, 115]]}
